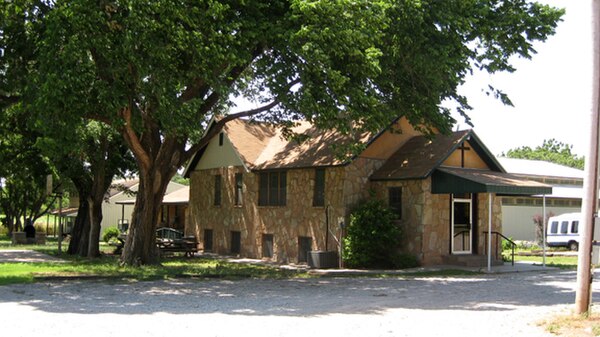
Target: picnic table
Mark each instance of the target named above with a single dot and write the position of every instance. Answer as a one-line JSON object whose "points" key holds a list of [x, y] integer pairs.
{"points": [[168, 240]]}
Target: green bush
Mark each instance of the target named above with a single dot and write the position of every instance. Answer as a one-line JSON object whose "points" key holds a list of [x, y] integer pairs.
{"points": [[110, 233], [372, 237]]}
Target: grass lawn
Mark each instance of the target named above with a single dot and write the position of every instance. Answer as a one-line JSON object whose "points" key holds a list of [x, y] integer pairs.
{"points": [[562, 262], [108, 267]]}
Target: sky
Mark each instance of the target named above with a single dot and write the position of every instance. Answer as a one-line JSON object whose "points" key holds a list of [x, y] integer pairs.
{"points": [[551, 93]]}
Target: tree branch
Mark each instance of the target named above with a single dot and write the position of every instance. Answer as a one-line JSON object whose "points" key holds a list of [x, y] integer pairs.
{"points": [[218, 126], [133, 140]]}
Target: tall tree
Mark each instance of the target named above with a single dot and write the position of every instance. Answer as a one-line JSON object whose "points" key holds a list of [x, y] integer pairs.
{"points": [[83, 151], [91, 156], [158, 71], [551, 150], [23, 172]]}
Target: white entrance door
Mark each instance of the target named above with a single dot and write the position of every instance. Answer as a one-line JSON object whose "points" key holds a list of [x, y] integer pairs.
{"points": [[462, 229]]}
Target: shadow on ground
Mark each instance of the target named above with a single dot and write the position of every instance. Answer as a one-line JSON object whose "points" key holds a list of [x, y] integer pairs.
{"points": [[298, 297]]}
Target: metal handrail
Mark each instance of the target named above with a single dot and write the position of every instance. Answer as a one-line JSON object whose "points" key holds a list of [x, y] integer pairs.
{"points": [[463, 233], [512, 244]]}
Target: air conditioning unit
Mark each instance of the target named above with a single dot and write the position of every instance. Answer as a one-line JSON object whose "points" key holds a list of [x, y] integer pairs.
{"points": [[319, 259]]}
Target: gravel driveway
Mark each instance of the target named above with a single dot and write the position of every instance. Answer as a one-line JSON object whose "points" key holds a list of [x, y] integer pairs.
{"points": [[487, 305]]}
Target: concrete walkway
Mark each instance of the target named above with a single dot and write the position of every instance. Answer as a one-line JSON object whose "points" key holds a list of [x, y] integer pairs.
{"points": [[25, 255]]}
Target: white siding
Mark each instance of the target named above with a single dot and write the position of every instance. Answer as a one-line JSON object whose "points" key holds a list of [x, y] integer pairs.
{"points": [[517, 221], [111, 211], [216, 155]]}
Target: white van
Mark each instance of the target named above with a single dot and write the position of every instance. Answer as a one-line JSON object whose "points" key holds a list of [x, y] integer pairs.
{"points": [[563, 231]]}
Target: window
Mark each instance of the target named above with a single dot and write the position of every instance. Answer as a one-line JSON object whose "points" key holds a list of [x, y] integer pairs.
{"points": [[238, 189], [217, 190], [272, 189], [564, 226], [319, 193], [575, 227], [554, 227], [395, 200], [208, 240], [267, 245], [236, 242], [304, 247], [221, 136]]}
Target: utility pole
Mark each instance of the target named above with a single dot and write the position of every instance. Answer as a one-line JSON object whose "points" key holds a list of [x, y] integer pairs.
{"points": [[590, 183]]}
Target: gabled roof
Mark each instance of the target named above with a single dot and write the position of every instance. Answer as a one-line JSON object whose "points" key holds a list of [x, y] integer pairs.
{"points": [[421, 155], [262, 146]]}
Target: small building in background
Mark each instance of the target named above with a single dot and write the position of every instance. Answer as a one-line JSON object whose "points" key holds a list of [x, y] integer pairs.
{"points": [[518, 212]]}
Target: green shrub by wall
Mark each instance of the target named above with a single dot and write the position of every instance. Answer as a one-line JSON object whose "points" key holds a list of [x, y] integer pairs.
{"points": [[372, 238]]}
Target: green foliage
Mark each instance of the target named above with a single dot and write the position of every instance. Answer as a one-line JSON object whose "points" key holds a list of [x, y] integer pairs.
{"points": [[110, 233], [156, 73], [552, 151], [372, 236], [507, 245], [178, 178]]}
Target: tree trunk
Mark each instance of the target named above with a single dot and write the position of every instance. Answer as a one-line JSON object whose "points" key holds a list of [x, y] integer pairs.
{"points": [[140, 246], [95, 223], [81, 229]]}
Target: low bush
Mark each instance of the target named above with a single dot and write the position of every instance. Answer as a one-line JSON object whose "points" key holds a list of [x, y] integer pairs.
{"points": [[372, 238], [110, 233]]}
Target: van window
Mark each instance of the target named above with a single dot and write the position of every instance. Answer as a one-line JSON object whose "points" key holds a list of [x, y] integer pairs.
{"points": [[554, 227], [564, 227], [575, 227]]}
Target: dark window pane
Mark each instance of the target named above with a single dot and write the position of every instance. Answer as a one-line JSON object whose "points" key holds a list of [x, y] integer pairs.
{"points": [[564, 226], [273, 189], [462, 214], [238, 189], [236, 242], [554, 227], [575, 227], [263, 192], [267, 245], [304, 246], [282, 189], [395, 200], [319, 193], [208, 240], [217, 190]]}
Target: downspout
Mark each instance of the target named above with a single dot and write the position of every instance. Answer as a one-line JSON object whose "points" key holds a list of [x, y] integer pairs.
{"points": [[327, 228], [489, 262]]}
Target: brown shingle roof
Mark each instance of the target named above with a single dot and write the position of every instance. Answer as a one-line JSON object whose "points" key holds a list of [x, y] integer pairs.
{"points": [[262, 146], [419, 157]]}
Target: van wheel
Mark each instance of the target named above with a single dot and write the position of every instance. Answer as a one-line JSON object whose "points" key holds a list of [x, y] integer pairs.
{"points": [[573, 245]]}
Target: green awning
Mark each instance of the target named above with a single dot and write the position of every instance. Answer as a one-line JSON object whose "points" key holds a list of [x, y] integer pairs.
{"points": [[447, 180]]}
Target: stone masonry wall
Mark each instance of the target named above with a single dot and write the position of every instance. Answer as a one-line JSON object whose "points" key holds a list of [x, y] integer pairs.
{"points": [[425, 222], [285, 223]]}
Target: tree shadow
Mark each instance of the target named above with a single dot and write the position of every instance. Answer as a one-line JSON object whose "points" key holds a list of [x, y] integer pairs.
{"points": [[298, 297]]}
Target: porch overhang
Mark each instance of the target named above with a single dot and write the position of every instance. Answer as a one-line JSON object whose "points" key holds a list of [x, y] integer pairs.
{"points": [[446, 180]]}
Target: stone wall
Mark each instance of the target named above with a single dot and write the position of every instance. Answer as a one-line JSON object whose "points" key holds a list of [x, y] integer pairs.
{"points": [[425, 221], [286, 223]]}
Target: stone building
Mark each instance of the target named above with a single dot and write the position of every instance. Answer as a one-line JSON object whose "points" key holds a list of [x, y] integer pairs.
{"points": [[257, 194]]}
